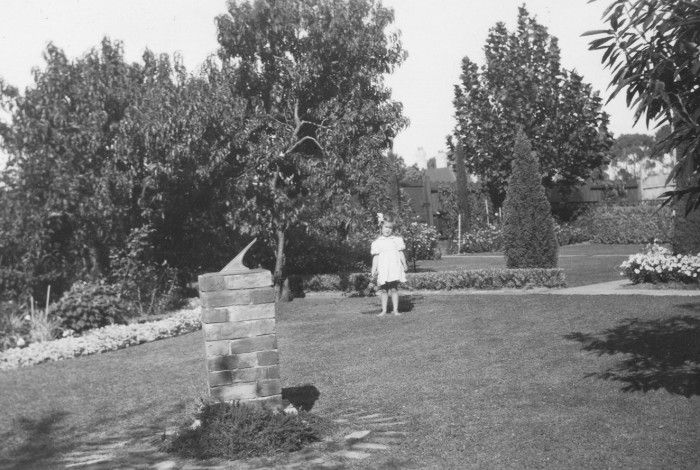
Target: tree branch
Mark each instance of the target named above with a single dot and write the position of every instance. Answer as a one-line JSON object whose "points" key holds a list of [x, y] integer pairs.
{"points": [[298, 142]]}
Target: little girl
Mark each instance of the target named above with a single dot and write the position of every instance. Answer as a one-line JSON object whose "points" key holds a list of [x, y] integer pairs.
{"points": [[388, 264]]}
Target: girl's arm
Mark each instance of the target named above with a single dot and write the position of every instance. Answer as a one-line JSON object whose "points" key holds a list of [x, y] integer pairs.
{"points": [[404, 264], [375, 268]]}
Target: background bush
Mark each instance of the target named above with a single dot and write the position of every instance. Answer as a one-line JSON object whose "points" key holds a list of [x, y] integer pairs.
{"points": [[90, 305], [421, 241], [483, 240], [235, 431], [149, 287], [568, 234], [623, 224]]}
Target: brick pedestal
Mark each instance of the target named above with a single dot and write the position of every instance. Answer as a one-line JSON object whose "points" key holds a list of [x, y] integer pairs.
{"points": [[238, 320]]}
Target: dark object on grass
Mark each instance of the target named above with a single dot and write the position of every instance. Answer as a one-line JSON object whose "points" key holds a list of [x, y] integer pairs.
{"points": [[234, 430], [302, 397]]}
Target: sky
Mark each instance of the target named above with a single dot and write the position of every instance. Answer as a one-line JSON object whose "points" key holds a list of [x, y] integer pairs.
{"points": [[436, 33]]}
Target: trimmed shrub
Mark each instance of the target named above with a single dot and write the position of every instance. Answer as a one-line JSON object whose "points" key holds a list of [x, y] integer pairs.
{"points": [[91, 305], [235, 431], [487, 279], [360, 283], [528, 227], [617, 224]]}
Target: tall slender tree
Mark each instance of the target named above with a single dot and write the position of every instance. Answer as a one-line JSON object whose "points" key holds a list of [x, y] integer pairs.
{"points": [[528, 228]]}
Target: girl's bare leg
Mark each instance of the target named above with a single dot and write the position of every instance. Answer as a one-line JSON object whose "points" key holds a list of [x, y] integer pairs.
{"points": [[385, 299], [395, 301]]}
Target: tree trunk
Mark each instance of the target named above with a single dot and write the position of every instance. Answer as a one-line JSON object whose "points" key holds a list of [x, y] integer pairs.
{"points": [[281, 285], [462, 183], [686, 229]]}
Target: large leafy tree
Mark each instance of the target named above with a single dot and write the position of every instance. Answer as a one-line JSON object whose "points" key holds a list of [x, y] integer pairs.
{"points": [[652, 48], [522, 85], [319, 113], [101, 150], [61, 133]]}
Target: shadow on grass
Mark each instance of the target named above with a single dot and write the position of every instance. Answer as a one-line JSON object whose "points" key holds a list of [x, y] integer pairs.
{"points": [[662, 354], [406, 304], [39, 439], [50, 441]]}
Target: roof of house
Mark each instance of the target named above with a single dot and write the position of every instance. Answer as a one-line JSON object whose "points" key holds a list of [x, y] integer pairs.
{"points": [[441, 175]]}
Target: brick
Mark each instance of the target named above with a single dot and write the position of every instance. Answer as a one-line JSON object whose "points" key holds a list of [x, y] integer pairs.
{"points": [[238, 391], [251, 280], [259, 343], [214, 315], [251, 312], [237, 297], [220, 378], [246, 329], [253, 374], [262, 296], [211, 282], [266, 388], [268, 358], [212, 331], [217, 348], [232, 362]]}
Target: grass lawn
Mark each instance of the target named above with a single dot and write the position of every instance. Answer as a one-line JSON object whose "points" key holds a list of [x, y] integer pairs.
{"points": [[485, 381], [583, 264]]}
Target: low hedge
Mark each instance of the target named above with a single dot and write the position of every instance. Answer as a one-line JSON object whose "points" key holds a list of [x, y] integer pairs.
{"points": [[361, 283]]}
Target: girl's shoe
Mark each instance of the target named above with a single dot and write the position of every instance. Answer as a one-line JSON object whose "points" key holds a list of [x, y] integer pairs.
{"points": [[382, 314], [397, 314]]}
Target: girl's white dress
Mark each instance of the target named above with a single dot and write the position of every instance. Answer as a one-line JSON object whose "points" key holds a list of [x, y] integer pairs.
{"points": [[387, 250]]}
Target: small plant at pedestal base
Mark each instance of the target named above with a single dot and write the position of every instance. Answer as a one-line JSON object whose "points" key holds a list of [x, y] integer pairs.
{"points": [[236, 430]]}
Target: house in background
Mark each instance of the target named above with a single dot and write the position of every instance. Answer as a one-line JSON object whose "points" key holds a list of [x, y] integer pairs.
{"points": [[424, 197], [642, 180]]}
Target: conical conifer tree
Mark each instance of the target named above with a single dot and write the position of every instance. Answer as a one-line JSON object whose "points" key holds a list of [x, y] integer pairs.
{"points": [[528, 228]]}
